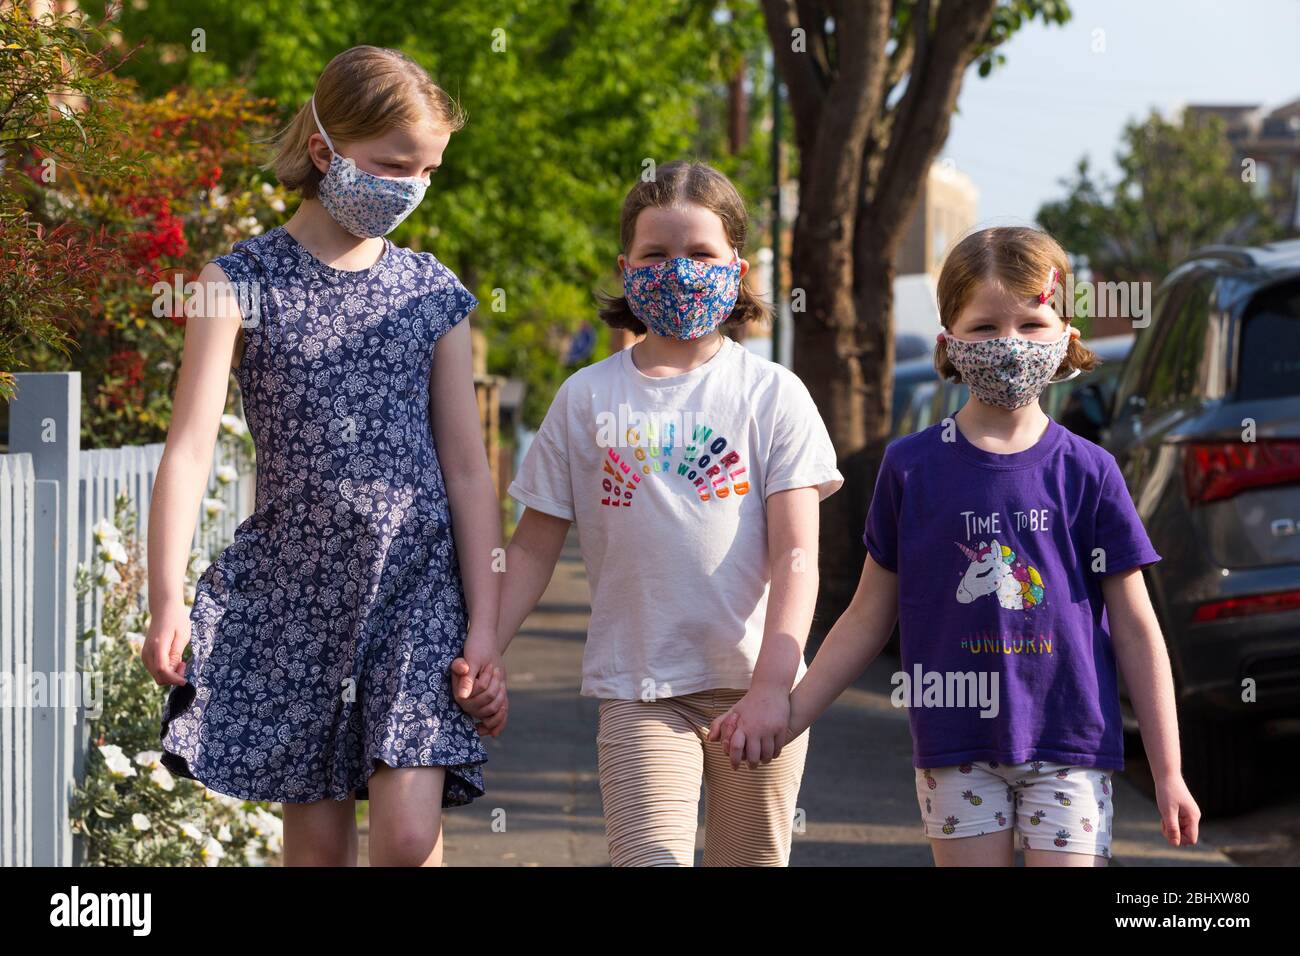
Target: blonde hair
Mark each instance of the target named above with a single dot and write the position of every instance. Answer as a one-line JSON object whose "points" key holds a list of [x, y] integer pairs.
{"points": [[681, 183], [1018, 259], [362, 93]]}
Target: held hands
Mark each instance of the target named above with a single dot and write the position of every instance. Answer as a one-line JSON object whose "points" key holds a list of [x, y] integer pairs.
{"points": [[1180, 817], [757, 727], [478, 681]]}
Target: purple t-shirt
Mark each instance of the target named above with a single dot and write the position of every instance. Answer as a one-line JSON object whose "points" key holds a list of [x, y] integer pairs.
{"points": [[999, 561]]}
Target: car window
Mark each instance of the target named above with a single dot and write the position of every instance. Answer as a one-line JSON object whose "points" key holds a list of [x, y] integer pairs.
{"points": [[1269, 366], [1191, 374], [1173, 368], [924, 403], [1144, 347]]}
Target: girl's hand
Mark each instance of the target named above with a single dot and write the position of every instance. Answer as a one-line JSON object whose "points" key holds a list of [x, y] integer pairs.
{"points": [[1180, 817], [488, 704], [479, 683], [169, 634], [756, 728]]}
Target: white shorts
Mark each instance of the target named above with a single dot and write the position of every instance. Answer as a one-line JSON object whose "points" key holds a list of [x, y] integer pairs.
{"points": [[1053, 806]]}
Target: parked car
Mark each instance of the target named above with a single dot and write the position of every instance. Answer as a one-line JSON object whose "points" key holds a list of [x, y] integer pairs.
{"points": [[920, 408], [907, 376], [1080, 403], [1205, 423]]}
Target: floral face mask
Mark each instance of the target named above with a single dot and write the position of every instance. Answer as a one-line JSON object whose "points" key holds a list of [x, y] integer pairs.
{"points": [[1009, 372], [682, 298], [366, 205]]}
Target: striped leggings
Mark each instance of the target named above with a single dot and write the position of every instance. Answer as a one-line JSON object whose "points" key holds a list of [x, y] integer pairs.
{"points": [[653, 757]]}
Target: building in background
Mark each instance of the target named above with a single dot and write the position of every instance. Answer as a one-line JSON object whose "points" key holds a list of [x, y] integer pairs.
{"points": [[945, 212], [1272, 139]]}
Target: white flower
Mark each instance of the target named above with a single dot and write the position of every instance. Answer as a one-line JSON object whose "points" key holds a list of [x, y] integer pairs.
{"points": [[113, 551], [201, 565], [105, 531], [104, 642], [250, 225], [277, 204], [233, 425], [118, 764], [265, 824], [189, 594], [140, 822], [193, 832], [253, 853], [148, 758], [224, 799], [163, 779], [136, 640], [224, 833], [213, 506], [212, 852], [273, 845], [108, 576], [227, 473], [219, 199]]}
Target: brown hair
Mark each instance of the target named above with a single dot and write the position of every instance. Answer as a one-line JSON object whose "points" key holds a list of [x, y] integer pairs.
{"points": [[362, 93], [682, 183], [1018, 259]]}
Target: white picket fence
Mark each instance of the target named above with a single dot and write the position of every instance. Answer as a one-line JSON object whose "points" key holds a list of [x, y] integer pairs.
{"points": [[52, 494]]}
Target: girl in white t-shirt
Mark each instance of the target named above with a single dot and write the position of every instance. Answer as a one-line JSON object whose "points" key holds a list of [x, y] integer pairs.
{"points": [[693, 469]]}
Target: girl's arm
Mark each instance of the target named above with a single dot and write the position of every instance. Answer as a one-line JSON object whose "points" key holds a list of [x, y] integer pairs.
{"points": [[183, 470], [853, 643], [1144, 664], [763, 713], [530, 561], [475, 511]]}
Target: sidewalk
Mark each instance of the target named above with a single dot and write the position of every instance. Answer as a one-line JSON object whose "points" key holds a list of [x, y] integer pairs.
{"points": [[543, 803]]}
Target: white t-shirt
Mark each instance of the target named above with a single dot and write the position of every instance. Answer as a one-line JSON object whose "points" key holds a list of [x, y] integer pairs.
{"points": [[667, 479]]}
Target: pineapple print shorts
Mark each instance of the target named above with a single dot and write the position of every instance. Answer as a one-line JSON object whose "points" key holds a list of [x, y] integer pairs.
{"points": [[1051, 806]]}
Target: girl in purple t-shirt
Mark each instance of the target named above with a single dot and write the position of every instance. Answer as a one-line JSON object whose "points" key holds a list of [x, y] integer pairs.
{"points": [[1010, 553]]}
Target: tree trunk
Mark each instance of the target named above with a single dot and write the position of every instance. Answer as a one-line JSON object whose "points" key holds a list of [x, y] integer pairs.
{"points": [[863, 157]]}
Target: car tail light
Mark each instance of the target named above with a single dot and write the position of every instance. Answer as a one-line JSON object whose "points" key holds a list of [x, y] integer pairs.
{"points": [[1242, 606], [1215, 470]]}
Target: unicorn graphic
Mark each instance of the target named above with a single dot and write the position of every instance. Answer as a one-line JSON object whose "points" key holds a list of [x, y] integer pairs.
{"points": [[996, 569]]}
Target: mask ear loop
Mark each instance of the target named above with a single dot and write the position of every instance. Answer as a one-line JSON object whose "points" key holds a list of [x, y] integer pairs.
{"points": [[1073, 374], [321, 129]]}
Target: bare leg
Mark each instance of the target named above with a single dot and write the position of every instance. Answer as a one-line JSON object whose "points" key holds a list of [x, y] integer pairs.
{"points": [[320, 833], [406, 816], [990, 849]]}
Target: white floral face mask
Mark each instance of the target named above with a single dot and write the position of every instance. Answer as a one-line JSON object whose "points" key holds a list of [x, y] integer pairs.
{"points": [[1009, 372], [366, 205]]}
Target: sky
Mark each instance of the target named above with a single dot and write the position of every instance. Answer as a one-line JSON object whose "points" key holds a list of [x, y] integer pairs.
{"points": [[1023, 129]]}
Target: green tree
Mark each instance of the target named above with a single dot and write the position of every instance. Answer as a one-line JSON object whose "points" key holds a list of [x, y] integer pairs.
{"points": [[1179, 188]]}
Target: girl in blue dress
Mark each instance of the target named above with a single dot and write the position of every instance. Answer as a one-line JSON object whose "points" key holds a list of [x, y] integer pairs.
{"points": [[322, 637]]}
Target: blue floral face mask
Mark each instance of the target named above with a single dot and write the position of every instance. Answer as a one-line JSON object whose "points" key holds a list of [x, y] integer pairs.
{"points": [[682, 298], [366, 205]]}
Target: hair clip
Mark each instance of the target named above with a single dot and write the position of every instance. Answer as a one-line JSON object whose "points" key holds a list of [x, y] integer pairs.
{"points": [[1051, 285]]}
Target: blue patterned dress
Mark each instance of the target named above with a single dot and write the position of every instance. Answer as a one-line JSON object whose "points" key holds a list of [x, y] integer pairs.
{"points": [[322, 636]]}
